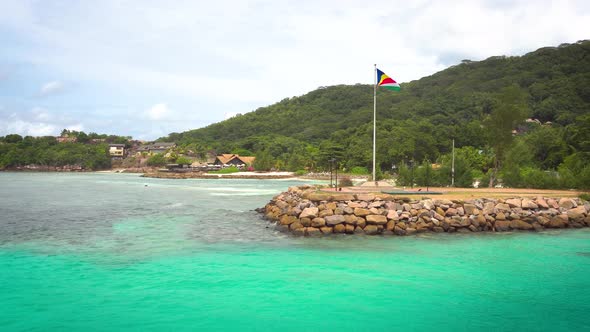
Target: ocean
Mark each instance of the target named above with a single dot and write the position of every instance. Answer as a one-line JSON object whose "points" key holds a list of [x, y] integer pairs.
{"points": [[111, 252]]}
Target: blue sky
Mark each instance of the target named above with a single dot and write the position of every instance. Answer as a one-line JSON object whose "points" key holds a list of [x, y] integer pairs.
{"points": [[148, 68]]}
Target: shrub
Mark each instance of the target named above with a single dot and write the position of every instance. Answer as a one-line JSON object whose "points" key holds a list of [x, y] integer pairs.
{"points": [[344, 181], [157, 160], [358, 170], [300, 172], [585, 196], [228, 170]]}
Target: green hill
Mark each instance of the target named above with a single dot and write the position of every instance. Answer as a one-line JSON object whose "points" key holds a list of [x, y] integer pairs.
{"points": [[419, 122]]}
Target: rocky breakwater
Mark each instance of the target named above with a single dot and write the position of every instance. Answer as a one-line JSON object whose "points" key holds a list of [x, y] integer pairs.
{"points": [[306, 211]]}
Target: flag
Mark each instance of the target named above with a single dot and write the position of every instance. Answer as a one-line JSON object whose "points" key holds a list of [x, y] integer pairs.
{"points": [[386, 81]]}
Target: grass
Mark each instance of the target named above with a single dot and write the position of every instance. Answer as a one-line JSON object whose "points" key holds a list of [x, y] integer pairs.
{"points": [[228, 170]]}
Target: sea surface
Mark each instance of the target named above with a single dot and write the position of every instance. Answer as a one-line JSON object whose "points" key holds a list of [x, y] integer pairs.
{"points": [[112, 252]]}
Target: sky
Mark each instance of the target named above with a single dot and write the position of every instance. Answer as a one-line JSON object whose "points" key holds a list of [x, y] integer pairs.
{"points": [[145, 68]]}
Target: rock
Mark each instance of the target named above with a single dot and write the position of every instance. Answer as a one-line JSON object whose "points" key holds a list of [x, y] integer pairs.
{"points": [[428, 204], [406, 207], [542, 203], [392, 215], [537, 227], [349, 229], [519, 224], [299, 231], [473, 228], [343, 197], [500, 216], [339, 211], [376, 204], [529, 204], [374, 219], [401, 225], [558, 221], [360, 221], [502, 225], [287, 220], [440, 211], [295, 225], [312, 231], [334, 220], [365, 197], [514, 202], [460, 211], [326, 230], [502, 207], [437, 229], [305, 222], [350, 219], [340, 228], [360, 212], [489, 208], [390, 225], [331, 206], [439, 202], [410, 231], [451, 212], [566, 203], [399, 231], [374, 211], [469, 208], [318, 222], [348, 210], [354, 204], [371, 230], [577, 213], [326, 212]]}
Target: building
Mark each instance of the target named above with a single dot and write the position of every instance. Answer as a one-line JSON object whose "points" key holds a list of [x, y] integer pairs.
{"points": [[233, 160], [117, 150], [158, 147], [66, 139]]}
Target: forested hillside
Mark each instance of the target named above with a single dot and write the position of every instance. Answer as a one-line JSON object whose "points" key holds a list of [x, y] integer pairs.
{"points": [[474, 102]]}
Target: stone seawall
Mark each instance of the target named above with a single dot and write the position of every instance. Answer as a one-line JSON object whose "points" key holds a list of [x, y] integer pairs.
{"points": [[306, 211]]}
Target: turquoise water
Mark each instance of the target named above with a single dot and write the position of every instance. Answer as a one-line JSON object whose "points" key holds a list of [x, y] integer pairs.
{"points": [[107, 252]]}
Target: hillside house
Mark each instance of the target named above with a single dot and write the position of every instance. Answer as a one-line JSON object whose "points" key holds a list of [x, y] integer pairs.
{"points": [[117, 150], [158, 147], [226, 160]]}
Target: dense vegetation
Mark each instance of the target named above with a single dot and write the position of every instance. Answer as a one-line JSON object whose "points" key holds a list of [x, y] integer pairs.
{"points": [[17, 151], [478, 104]]}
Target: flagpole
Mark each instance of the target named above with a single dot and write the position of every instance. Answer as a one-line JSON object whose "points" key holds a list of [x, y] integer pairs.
{"points": [[374, 123]]}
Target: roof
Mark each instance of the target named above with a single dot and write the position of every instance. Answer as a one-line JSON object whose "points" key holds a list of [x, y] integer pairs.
{"points": [[156, 146], [117, 145], [227, 157]]}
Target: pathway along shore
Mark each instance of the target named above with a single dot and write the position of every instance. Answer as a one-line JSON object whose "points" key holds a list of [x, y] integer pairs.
{"points": [[308, 211]]}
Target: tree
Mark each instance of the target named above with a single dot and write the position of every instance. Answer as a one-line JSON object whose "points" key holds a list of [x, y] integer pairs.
{"points": [[510, 109], [157, 160]]}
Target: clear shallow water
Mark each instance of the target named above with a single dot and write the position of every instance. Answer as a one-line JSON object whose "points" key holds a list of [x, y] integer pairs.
{"points": [[106, 252]]}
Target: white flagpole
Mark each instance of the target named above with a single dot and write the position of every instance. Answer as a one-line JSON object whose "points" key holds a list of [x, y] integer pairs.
{"points": [[374, 123]]}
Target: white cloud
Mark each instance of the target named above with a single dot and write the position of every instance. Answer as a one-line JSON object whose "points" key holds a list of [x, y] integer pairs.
{"points": [[51, 88], [27, 128], [158, 112]]}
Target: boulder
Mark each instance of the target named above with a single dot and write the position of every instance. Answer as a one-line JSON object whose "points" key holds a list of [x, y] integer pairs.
{"points": [[371, 230], [376, 204], [305, 222], [437, 229], [390, 225], [542, 203], [519, 224], [350, 219], [355, 205], [374, 219], [360, 221], [299, 231], [374, 211], [502, 225], [326, 212], [343, 197], [411, 231], [331, 205], [318, 222], [360, 212], [514, 202], [566, 203], [326, 230], [295, 225], [489, 208], [500, 216], [334, 220], [469, 208], [312, 231], [558, 221], [392, 215], [428, 204], [399, 231], [502, 207], [287, 220], [349, 229], [451, 212], [440, 211], [529, 204], [365, 197], [577, 213], [340, 228]]}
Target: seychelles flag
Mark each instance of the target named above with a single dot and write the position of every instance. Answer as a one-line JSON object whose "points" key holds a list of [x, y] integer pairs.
{"points": [[386, 81]]}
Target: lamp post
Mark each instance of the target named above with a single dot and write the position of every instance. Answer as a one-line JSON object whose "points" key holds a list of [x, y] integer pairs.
{"points": [[333, 165], [412, 168]]}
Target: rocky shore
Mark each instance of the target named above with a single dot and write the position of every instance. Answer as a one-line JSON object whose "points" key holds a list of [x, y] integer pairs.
{"points": [[306, 211], [203, 175]]}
